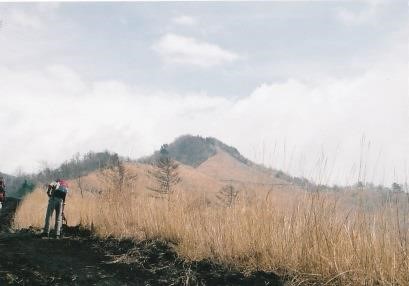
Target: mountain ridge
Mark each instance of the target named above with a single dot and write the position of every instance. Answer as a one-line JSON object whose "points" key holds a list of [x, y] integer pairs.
{"points": [[194, 150], [215, 159]]}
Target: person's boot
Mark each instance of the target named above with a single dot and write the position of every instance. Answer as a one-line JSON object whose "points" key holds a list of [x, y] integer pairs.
{"points": [[45, 235]]}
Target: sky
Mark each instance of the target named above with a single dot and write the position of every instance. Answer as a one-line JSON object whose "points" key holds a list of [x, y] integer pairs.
{"points": [[316, 88]]}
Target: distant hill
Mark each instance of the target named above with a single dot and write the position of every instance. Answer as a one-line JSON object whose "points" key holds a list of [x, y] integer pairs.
{"points": [[206, 164], [78, 166], [194, 150], [13, 184], [223, 162], [8, 179], [6, 176]]}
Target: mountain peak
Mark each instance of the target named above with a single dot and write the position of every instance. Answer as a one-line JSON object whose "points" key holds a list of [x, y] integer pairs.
{"points": [[194, 150]]}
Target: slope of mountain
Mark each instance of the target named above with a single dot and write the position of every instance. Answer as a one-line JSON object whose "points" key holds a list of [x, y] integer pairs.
{"points": [[220, 162], [192, 180], [226, 168]]}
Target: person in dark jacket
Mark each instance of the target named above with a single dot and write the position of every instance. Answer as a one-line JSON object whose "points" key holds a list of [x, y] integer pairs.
{"points": [[56, 191]]}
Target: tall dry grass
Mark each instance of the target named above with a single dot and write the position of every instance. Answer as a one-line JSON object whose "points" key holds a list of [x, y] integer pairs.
{"points": [[308, 236]]}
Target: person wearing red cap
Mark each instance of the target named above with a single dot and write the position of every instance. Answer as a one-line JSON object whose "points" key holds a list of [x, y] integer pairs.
{"points": [[56, 191]]}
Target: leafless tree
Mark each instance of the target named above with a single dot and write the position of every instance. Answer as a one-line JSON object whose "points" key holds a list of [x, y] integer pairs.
{"points": [[165, 173], [228, 195], [117, 176]]}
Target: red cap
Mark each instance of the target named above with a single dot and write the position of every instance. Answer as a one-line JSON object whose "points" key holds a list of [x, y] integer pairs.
{"points": [[63, 183]]}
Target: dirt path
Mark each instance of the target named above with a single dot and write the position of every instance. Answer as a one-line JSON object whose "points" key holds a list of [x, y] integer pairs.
{"points": [[82, 259]]}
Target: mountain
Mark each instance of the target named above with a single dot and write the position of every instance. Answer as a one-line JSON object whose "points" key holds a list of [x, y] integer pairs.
{"points": [[194, 150], [220, 162], [206, 164]]}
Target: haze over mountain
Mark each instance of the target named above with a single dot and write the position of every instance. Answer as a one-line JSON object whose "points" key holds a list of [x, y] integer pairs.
{"points": [[205, 163]]}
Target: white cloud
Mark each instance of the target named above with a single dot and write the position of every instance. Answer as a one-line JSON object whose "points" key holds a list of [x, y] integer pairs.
{"points": [[185, 50], [367, 15], [28, 17], [20, 18], [25, 33], [49, 112], [184, 20], [47, 7], [47, 120], [334, 114]]}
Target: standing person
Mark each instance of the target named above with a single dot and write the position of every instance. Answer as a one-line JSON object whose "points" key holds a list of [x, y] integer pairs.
{"points": [[2, 192], [56, 192]]}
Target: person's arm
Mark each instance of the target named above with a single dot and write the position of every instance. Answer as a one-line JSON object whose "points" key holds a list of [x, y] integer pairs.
{"points": [[51, 187], [66, 193]]}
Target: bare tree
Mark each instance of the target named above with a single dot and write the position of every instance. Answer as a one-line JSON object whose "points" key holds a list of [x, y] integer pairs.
{"points": [[165, 173], [78, 172], [117, 176], [396, 188], [228, 195]]}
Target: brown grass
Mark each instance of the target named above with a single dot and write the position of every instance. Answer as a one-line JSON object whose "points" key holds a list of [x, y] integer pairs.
{"points": [[309, 236]]}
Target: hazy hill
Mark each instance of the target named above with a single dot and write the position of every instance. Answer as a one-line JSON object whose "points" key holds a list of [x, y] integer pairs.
{"points": [[194, 150], [9, 179], [227, 168], [205, 164], [208, 164], [18, 186], [223, 163], [6, 177]]}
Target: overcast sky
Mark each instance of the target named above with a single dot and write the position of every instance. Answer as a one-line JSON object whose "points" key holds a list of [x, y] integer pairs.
{"points": [[314, 88]]}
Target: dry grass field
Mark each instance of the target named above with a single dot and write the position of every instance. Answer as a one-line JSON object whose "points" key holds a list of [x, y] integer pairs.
{"points": [[312, 237]]}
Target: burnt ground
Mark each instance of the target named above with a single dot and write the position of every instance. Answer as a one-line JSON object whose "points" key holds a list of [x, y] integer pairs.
{"points": [[79, 258], [7, 213]]}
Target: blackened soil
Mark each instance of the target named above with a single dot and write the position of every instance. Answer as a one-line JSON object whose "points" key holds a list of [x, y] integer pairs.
{"points": [[80, 258], [7, 213]]}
